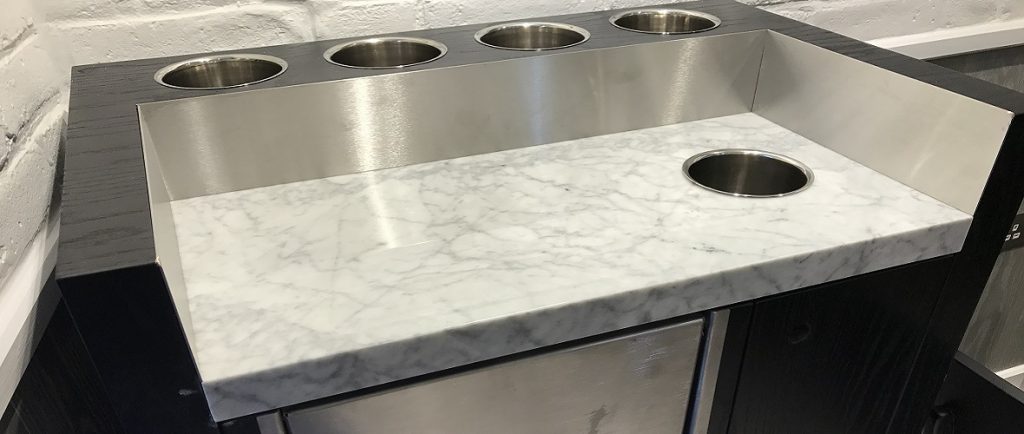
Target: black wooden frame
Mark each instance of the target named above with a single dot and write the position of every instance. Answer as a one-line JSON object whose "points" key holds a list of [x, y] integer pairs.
{"points": [[118, 297], [975, 400]]}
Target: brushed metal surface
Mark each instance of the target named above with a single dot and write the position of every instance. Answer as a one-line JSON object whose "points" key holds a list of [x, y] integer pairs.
{"points": [[271, 423], [634, 384], [385, 52], [213, 144], [221, 72], [665, 21], [1017, 380], [1004, 66], [718, 323], [995, 336], [748, 173], [532, 36], [938, 142], [165, 238]]}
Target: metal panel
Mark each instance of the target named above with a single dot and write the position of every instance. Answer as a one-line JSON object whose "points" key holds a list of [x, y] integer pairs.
{"points": [[251, 139], [634, 384], [995, 336], [271, 423], [1004, 67], [933, 140], [1016, 380], [707, 383], [165, 239]]}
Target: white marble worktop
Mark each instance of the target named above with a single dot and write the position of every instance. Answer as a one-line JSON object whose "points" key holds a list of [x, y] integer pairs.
{"points": [[306, 290]]}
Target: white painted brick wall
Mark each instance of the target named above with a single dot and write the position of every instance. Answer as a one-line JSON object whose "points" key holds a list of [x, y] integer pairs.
{"points": [[443, 13], [163, 33], [32, 77], [40, 39], [343, 18], [872, 19]]}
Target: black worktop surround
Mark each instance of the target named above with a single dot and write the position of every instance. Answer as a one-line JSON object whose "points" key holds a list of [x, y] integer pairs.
{"points": [[116, 291]]}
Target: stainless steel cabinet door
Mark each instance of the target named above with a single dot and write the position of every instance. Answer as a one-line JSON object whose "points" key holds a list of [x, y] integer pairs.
{"points": [[638, 383]]}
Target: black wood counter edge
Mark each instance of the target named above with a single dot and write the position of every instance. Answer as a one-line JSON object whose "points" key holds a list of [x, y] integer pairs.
{"points": [[118, 297]]}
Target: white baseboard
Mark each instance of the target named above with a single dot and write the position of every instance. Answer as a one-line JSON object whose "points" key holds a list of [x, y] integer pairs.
{"points": [[25, 304], [961, 40]]}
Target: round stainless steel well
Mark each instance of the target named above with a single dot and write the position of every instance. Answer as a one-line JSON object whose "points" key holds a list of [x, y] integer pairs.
{"points": [[532, 36], [748, 173], [387, 52], [665, 21], [221, 72]]}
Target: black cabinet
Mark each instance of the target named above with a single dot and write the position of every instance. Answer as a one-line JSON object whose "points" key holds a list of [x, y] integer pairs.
{"points": [[60, 391], [973, 400], [835, 359]]}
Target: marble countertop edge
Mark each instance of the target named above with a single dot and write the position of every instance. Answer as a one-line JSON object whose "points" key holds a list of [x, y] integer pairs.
{"points": [[480, 341]]}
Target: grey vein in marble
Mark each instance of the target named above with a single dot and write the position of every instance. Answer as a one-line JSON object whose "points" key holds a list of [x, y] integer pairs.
{"points": [[310, 289]]}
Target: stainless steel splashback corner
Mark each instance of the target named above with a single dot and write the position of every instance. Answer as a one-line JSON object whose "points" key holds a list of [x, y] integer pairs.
{"points": [[933, 140], [214, 144], [164, 236]]}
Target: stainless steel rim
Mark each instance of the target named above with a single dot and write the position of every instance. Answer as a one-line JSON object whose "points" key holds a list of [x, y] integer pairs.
{"points": [[527, 24], [160, 74], [707, 154], [441, 48], [715, 20]]}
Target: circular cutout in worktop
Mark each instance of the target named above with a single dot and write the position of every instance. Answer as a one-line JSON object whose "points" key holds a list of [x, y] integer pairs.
{"points": [[387, 52], [221, 72], [665, 21], [532, 36], [748, 173]]}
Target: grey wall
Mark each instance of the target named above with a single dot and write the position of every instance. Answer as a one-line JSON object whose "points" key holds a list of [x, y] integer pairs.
{"points": [[996, 334], [1004, 67]]}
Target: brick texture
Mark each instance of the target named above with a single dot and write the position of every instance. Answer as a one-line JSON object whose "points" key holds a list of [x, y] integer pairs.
{"points": [[32, 83]]}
